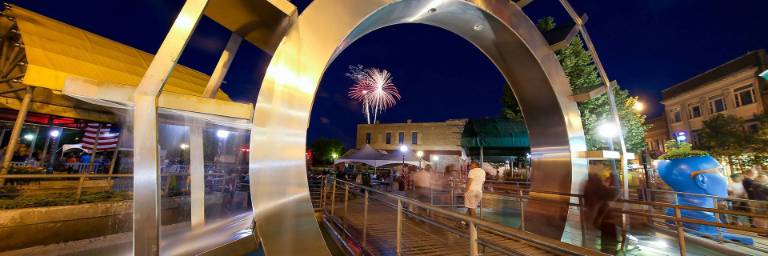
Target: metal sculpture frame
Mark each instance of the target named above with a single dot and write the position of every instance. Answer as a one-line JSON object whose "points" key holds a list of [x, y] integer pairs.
{"points": [[284, 218]]}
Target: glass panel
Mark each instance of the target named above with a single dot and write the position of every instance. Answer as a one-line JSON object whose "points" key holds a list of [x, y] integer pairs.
{"points": [[414, 138], [82, 180], [718, 105], [367, 138], [401, 137], [389, 138]]}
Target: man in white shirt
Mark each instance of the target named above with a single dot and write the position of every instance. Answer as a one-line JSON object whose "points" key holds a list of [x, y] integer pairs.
{"points": [[473, 193]]}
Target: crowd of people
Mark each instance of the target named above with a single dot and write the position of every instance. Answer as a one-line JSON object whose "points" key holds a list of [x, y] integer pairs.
{"points": [[753, 185]]}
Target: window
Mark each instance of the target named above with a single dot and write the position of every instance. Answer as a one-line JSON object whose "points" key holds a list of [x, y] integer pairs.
{"points": [[695, 111], [717, 105], [367, 138], [414, 138], [389, 138], [401, 137], [744, 96], [676, 117]]}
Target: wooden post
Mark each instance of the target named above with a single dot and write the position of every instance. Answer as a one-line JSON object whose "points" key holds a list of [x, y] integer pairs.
{"points": [[16, 132]]}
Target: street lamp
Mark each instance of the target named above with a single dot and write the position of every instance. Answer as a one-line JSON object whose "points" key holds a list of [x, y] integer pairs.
{"points": [[403, 150], [222, 134], [29, 137], [639, 106], [609, 130], [334, 155], [420, 154], [54, 133], [183, 146]]}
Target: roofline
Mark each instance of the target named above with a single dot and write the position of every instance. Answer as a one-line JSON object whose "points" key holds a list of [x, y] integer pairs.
{"points": [[711, 70]]}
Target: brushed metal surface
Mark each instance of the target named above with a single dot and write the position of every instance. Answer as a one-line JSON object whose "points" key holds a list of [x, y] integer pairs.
{"points": [[281, 202]]}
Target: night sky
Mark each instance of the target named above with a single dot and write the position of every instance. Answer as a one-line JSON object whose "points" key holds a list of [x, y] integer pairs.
{"points": [[645, 45]]}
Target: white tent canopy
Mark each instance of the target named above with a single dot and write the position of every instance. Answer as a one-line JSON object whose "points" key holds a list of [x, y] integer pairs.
{"points": [[370, 156]]}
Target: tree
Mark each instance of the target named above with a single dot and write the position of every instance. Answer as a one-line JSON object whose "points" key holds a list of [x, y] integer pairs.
{"points": [[725, 137], [325, 150], [582, 73]]}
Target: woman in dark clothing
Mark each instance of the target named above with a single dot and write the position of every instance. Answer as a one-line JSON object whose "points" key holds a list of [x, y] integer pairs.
{"points": [[598, 196]]}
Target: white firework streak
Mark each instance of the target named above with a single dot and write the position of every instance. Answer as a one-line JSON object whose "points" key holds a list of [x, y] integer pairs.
{"points": [[375, 89]]}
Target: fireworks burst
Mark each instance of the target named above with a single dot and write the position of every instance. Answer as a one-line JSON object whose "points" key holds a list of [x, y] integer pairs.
{"points": [[374, 89]]}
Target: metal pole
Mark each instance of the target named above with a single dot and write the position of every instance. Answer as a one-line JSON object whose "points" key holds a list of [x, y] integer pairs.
{"points": [[472, 239], [346, 198], [365, 221], [45, 147], [146, 202], [582, 220], [717, 219], [217, 77], [55, 146], [33, 142], [680, 231], [197, 175], [522, 209], [399, 236], [16, 132], [333, 197]]}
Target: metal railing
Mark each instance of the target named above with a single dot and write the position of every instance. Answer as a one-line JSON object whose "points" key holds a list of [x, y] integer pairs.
{"points": [[644, 209], [481, 234]]}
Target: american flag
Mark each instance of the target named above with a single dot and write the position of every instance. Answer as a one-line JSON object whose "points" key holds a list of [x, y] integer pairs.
{"points": [[107, 138]]}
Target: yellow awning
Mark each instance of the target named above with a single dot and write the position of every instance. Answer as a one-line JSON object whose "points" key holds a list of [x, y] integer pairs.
{"points": [[55, 51]]}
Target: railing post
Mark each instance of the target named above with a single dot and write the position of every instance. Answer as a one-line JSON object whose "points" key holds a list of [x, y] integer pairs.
{"points": [[717, 219], [322, 193], [346, 198], [582, 220], [365, 221], [453, 195], [522, 209], [333, 197], [472, 239], [680, 230], [399, 234]]}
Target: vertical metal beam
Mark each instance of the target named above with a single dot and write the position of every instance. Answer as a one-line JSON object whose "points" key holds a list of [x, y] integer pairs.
{"points": [[54, 146], [146, 203], [197, 175], [217, 77], [33, 143], [473, 239], [16, 132], [196, 161]]}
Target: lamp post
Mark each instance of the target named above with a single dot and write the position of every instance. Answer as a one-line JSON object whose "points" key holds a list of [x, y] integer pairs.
{"points": [[608, 130], [420, 154], [54, 134], [403, 150], [436, 158], [222, 135]]}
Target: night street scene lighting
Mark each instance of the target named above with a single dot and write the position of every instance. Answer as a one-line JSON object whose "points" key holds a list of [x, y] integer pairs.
{"points": [[367, 127]]}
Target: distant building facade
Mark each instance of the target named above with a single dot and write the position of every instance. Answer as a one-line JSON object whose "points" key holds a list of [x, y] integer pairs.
{"points": [[734, 88], [442, 139], [656, 136]]}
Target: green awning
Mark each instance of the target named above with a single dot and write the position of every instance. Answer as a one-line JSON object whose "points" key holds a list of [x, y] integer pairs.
{"points": [[495, 132]]}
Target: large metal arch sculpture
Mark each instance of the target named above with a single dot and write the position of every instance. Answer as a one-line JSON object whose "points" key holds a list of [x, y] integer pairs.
{"points": [[284, 219]]}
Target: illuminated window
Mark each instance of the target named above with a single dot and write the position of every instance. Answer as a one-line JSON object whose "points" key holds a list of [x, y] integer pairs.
{"points": [[695, 111], [717, 105], [676, 117], [744, 96]]}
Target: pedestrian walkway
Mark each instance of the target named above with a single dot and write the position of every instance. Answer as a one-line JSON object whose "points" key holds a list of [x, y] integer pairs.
{"points": [[426, 232]]}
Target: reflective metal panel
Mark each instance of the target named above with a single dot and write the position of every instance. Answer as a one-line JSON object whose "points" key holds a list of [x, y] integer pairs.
{"points": [[497, 27]]}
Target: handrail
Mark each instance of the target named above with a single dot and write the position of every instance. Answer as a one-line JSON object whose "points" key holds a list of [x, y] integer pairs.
{"points": [[705, 195], [533, 239]]}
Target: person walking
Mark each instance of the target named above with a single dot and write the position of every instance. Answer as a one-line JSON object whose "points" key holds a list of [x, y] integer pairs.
{"points": [[760, 193], [736, 191], [473, 192]]}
